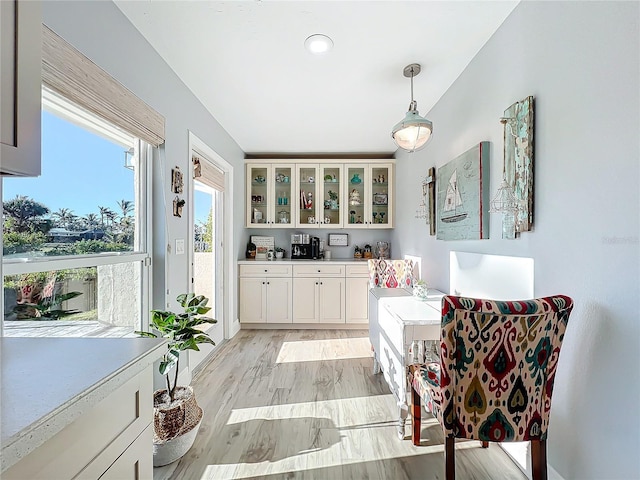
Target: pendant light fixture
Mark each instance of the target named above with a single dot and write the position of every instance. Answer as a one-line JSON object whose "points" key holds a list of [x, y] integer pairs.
{"points": [[413, 131], [505, 200]]}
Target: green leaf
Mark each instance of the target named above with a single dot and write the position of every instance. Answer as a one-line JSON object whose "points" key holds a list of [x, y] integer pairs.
{"points": [[166, 366], [146, 334], [204, 339]]}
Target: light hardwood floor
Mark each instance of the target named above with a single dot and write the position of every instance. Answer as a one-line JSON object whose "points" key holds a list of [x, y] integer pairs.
{"points": [[285, 404]]}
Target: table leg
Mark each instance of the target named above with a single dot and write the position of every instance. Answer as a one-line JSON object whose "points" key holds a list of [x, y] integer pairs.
{"points": [[404, 412], [376, 365]]}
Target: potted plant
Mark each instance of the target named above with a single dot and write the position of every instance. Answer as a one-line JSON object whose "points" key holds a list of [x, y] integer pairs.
{"points": [[333, 199], [177, 416], [279, 252], [420, 290]]}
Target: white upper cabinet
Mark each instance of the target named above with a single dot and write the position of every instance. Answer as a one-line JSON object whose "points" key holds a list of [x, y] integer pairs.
{"points": [[369, 195], [325, 195], [270, 199], [320, 190], [20, 86]]}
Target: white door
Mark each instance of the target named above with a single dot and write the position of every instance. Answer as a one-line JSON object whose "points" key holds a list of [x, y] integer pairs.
{"points": [[279, 300], [207, 252], [332, 304], [305, 300], [252, 306]]}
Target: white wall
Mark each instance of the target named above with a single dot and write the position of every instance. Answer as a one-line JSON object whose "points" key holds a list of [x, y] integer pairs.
{"points": [[581, 62], [101, 31]]}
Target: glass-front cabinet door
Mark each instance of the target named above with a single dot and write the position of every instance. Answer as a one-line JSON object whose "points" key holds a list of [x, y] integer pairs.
{"points": [[332, 196], [307, 191], [380, 186], [270, 195], [282, 206], [258, 176], [356, 208], [369, 195]]}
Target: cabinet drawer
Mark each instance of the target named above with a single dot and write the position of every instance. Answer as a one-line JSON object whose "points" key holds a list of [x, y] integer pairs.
{"points": [[109, 427], [358, 270], [262, 270], [318, 270]]}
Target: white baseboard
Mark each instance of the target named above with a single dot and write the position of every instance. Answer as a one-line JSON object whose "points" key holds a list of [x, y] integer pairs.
{"points": [[553, 475], [234, 328], [520, 455]]}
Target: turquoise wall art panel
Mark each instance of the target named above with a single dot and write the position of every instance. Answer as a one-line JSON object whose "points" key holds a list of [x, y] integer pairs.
{"points": [[463, 196], [518, 161]]}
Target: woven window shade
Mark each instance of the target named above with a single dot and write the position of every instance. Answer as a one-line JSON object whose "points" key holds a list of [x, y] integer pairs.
{"points": [[68, 72], [209, 175]]}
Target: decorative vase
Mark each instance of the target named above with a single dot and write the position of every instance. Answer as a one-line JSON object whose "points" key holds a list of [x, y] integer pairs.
{"points": [[420, 291], [356, 178], [279, 254]]}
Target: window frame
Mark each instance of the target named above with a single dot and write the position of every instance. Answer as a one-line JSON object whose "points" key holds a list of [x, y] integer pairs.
{"points": [[66, 110]]}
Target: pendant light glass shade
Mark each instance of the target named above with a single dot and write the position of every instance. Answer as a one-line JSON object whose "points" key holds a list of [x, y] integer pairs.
{"points": [[505, 201], [413, 131]]}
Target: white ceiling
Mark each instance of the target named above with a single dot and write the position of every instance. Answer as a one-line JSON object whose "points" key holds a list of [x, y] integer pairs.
{"points": [[246, 62]]}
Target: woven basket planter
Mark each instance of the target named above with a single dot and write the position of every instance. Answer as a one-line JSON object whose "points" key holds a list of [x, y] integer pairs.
{"points": [[175, 426]]}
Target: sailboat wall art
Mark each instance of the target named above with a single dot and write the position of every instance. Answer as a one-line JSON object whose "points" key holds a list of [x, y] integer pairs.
{"points": [[463, 196]]}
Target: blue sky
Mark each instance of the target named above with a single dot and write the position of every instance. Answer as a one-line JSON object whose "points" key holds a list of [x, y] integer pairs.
{"points": [[82, 171]]}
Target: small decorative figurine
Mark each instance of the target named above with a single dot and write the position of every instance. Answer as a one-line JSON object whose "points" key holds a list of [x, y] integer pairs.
{"points": [[354, 197]]}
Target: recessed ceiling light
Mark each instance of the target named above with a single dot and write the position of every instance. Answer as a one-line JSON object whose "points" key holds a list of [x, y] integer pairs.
{"points": [[318, 44]]}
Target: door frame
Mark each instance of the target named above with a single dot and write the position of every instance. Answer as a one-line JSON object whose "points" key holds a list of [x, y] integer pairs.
{"points": [[200, 148]]}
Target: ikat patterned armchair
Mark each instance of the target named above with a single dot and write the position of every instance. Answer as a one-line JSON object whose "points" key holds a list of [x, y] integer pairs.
{"points": [[495, 376]]}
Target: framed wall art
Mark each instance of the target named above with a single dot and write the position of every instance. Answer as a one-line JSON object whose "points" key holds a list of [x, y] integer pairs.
{"points": [[518, 159], [463, 196], [177, 182]]}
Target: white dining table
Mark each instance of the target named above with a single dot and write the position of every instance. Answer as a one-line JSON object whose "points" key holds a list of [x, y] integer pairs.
{"points": [[403, 329]]}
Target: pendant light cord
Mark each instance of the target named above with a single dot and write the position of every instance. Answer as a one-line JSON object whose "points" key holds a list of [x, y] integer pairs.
{"points": [[503, 121], [411, 85]]}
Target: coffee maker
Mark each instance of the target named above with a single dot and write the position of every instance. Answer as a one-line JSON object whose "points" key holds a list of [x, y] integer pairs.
{"points": [[304, 246]]}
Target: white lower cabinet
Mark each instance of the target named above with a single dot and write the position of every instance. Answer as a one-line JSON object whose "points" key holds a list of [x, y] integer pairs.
{"points": [[310, 293], [265, 294], [318, 292], [357, 294], [112, 440], [318, 300]]}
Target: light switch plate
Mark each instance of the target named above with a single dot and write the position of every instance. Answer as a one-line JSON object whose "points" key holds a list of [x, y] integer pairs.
{"points": [[180, 246]]}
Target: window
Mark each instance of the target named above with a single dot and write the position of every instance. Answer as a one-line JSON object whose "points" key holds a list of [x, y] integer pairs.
{"points": [[75, 256]]}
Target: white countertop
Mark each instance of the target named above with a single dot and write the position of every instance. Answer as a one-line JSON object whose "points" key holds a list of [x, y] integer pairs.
{"points": [[303, 260], [46, 383]]}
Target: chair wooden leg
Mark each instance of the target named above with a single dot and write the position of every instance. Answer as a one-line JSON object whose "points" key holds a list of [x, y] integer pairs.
{"points": [[449, 458], [539, 459], [485, 444], [416, 416]]}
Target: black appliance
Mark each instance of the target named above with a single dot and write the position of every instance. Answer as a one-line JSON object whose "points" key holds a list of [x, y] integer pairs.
{"points": [[300, 246], [304, 246], [315, 248]]}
